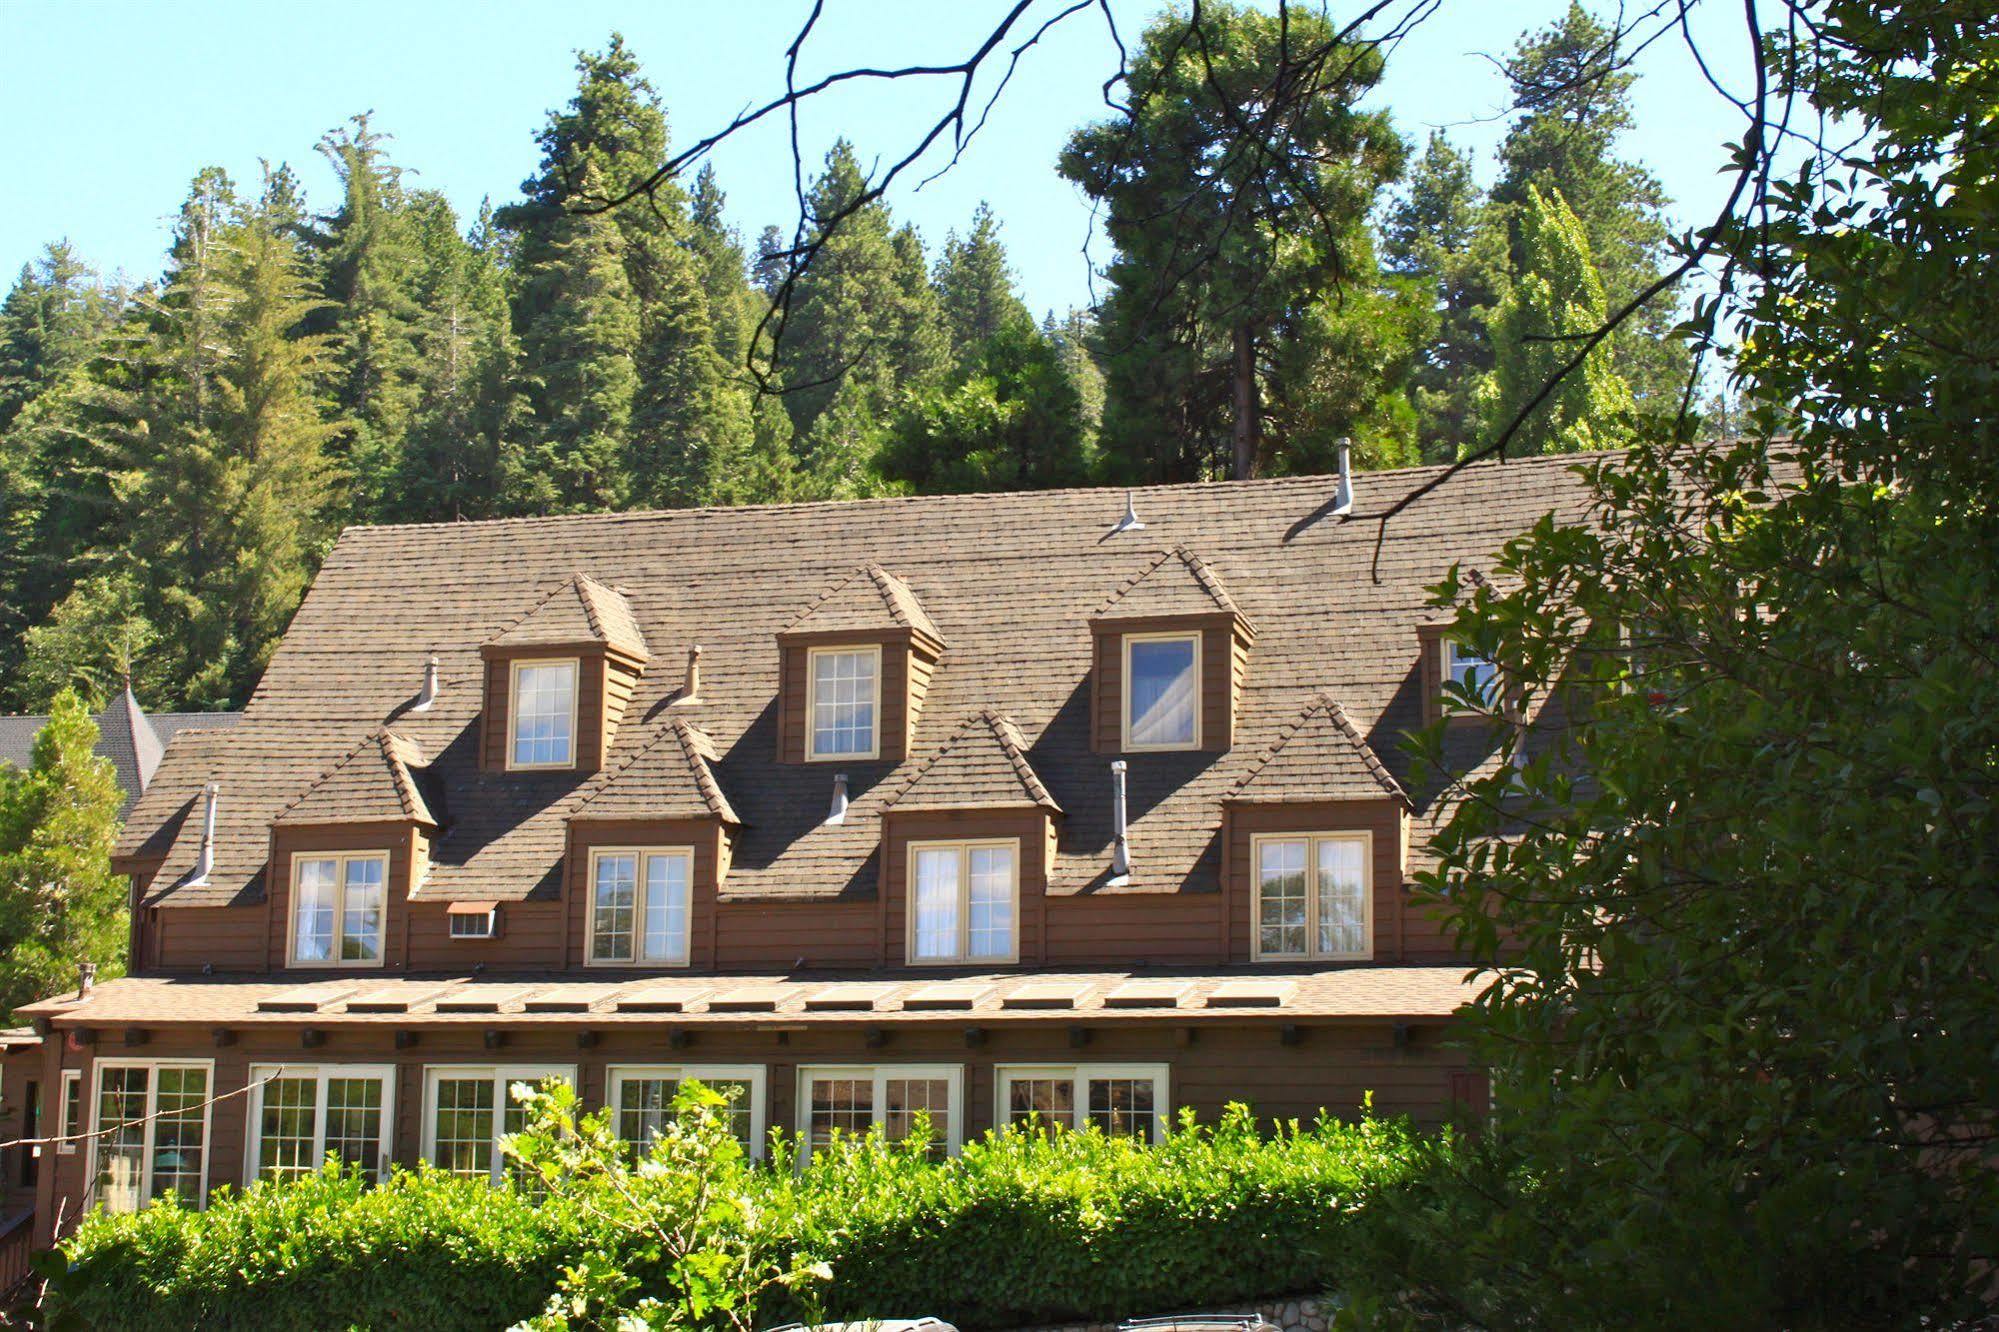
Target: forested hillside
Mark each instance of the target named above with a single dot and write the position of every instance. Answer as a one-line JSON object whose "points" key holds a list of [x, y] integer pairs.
{"points": [[176, 456]]}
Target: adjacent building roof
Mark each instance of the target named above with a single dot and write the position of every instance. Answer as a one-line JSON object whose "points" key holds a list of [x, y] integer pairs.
{"points": [[673, 777], [131, 738], [1320, 756], [1012, 580], [982, 765], [871, 599], [581, 610]]}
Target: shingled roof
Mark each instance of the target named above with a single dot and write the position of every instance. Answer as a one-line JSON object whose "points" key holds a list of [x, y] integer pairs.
{"points": [[581, 610], [673, 777], [1177, 583], [983, 765], [133, 739], [375, 782], [869, 600], [1014, 578], [1320, 756]]}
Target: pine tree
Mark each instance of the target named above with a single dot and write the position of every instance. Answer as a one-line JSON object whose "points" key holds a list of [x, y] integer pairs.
{"points": [[50, 324], [60, 902], [975, 285], [1556, 296]]}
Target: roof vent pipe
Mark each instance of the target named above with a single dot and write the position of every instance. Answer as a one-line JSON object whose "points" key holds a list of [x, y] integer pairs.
{"points": [[86, 977], [428, 698], [205, 861], [1343, 493], [1120, 848], [1129, 523], [838, 814], [690, 689]]}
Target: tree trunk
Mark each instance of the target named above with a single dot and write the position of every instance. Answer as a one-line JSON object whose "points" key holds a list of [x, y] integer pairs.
{"points": [[1248, 417]]}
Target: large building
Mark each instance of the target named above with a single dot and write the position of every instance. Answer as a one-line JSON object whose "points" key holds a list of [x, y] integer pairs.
{"points": [[1076, 804]]}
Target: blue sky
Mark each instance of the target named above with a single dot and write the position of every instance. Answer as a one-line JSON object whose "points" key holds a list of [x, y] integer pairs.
{"points": [[113, 106]]}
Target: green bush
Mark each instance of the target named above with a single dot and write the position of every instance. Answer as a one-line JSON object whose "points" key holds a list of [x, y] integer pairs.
{"points": [[1018, 1228]]}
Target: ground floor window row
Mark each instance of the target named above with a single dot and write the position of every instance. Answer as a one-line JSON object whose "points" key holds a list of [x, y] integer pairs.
{"points": [[152, 1118]]}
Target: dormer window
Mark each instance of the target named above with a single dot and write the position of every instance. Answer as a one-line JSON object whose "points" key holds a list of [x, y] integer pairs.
{"points": [[1162, 694], [964, 900], [542, 730], [337, 909], [1473, 673], [640, 901], [843, 703]]}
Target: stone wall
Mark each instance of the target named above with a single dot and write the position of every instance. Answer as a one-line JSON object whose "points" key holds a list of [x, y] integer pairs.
{"points": [[1301, 1313]]}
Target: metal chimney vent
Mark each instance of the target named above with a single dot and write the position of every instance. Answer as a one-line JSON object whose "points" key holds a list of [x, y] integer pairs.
{"points": [[1129, 523], [428, 698], [205, 860], [1343, 493], [690, 688], [1120, 848], [838, 814]]}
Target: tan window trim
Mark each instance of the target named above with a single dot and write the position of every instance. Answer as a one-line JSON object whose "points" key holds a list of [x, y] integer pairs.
{"points": [[1311, 840], [148, 1160], [964, 848], [640, 855], [69, 1107], [319, 1074], [341, 860], [514, 668], [1193, 636], [812, 655]]}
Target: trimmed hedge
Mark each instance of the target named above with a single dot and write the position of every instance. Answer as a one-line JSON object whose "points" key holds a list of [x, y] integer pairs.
{"points": [[1017, 1228]]}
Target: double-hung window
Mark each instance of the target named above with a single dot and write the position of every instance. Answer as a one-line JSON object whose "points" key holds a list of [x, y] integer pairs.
{"points": [[541, 723], [843, 703], [301, 1114], [846, 1100], [640, 902], [964, 900], [467, 1110], [71, 1111], [337, 908], [1474, 674], [1122, 1100], [1162, 691], [641, 1096], [151, 1131], [1314, 898]]}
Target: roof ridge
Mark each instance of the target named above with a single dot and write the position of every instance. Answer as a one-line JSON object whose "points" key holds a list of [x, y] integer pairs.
{"points": [[590, 610], [680, 729], [1006, 734], [1321, 700], [885, 583], [527, 614], [324, 773], [1197, 568]]}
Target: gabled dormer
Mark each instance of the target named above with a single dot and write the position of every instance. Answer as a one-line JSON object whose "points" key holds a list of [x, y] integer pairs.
{"points": [[558, 680], [1171, 657], [348, 854], [853, 672], [967, 845]]}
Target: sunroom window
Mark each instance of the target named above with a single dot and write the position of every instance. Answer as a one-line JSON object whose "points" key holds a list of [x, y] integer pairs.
{"points": [[844, 700], [1312, 897], [1162, 691], [846, 1100], [542, 720], [151, 1133], [963, 900], [337, 909], [468, 1110], [640, 905], [642, 1098], [301, 1114], [1122, 1100]]}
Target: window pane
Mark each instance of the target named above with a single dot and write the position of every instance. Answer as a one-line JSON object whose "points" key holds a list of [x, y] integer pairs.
{"points": [[1047, 1101], [613, 905], [666, 908], [121, 1150], [361, 912], [285, 1129], [1342, 896], [543, 699], [1280, 899], [312, 914], [1468, 669], [840, 1105], [936, 903], [354, 1122], [179, 1132], [843, 703], [908, 1097], [737, 1090], [1122, 1106], [465, 1126], [72, 1107], [1163, 691], [644, 1105], [991, 908]]}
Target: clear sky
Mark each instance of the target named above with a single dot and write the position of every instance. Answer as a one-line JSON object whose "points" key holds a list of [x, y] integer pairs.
{"points": [[112, 105]]}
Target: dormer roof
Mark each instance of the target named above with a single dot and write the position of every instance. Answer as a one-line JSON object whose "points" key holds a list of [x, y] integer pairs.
{"points": [[1319, 756], [982, 765], [581, 610], [869, 600], [375, 782], [1177, 584], [671, 777]]}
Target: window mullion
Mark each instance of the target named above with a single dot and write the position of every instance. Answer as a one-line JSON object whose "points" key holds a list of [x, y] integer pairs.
{"points": [[964, 854], [321, 1094], [1312, 945]]}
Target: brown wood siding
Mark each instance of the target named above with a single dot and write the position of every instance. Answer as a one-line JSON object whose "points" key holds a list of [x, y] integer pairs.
{"points": [[587, 835], [530, 939], [225, 938], [1383, 819], [621, 678], [1135, 929], [781, 934], [592, 740], [1223, 662], [921, 666], [1028, 827], [296, 840], [900, 699]]}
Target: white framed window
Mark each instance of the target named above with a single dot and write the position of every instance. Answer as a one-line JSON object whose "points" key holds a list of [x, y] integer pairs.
{"points": [[640, 905], [964, 901], [541, 718], [300, 1114], [151, 1131], [338, 906], [1314, 896], [641, 1097], [1475, 674], [1123, 1100], [467, 1108], [70, 1111], [849, 1099], [473, 920], [843, 702], [1162, 691]]}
